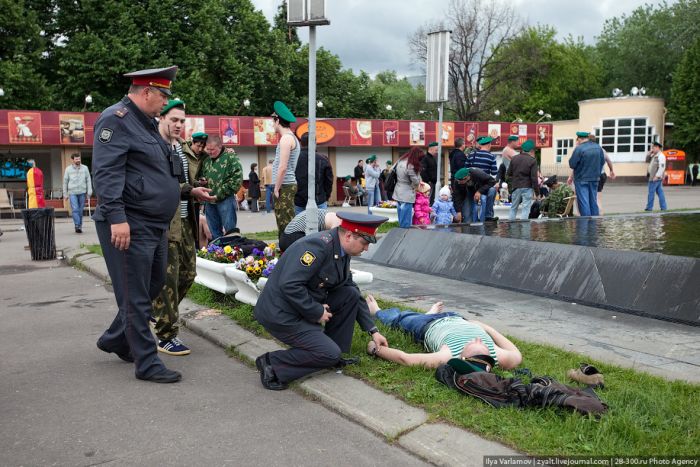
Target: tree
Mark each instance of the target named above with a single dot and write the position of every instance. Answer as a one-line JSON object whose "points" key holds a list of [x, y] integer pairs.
{"points": [[544, 74], [643, 49], [406, 101], [21, 48], [685, 102], [480, 29]]}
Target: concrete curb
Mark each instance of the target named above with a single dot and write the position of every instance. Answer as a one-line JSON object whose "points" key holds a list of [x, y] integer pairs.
{"points": [[377, 411]]}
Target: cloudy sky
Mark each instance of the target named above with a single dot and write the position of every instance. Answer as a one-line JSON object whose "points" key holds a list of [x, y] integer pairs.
{"points": [[372, 35]]}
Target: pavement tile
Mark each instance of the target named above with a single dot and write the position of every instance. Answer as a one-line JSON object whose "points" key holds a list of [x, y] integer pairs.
{"points": [[370, 407], [446, 445]]}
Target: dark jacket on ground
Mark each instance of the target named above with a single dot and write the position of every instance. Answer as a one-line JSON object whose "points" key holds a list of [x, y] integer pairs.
{"points": [[522, 173], [324, 178], [428, 171]]}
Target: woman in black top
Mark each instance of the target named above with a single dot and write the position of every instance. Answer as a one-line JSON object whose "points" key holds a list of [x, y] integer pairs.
{"points": [[253, 187]]}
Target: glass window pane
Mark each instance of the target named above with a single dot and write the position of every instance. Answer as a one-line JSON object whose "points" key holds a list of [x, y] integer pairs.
{"points": [[608, 123], [609, 140], [640, 122], [623, 140], [623, 149], [639, 139], [609, 148], [624, 131], [639, 148], [571, 143], [597, 131], [624, 122], [640, 131], [558, 159], [608, 131]]}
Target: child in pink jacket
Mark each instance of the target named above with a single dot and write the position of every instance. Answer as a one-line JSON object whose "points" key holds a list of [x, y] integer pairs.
{"points": [[421, 209]]}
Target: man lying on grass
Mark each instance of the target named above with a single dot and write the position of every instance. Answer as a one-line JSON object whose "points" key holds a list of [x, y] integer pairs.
{"points": [[446, 335]]}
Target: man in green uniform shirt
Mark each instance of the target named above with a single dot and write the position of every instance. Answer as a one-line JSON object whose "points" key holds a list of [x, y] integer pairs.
{"points": [[224, 175], [555, 204]]}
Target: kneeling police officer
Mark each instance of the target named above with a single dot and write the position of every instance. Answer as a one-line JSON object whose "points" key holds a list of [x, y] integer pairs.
{"points": [[311, 303]]}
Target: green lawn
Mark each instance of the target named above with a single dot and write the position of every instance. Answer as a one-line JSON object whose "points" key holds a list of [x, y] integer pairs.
{"points": [[93, 248], [648, 415]]}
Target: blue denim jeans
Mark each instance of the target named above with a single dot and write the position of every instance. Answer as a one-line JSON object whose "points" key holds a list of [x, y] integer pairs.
{"points": [[269, 198], [411, 322], [656, 188], [405, 214], [222, 217], [487, 201], [373, 197], [587, 198], [523, 195], [298, 209], [77, 204]]}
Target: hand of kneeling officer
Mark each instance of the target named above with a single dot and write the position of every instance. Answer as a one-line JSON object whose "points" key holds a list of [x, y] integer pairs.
{"points": [[326, 316]]}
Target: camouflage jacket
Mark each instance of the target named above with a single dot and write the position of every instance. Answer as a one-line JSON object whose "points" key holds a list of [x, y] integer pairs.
{"points": [[555, 204], [194, 164], [224, 174]]}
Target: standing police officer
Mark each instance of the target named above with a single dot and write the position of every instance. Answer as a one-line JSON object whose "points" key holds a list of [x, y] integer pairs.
{"points": [[136, 182], [311, 287]]}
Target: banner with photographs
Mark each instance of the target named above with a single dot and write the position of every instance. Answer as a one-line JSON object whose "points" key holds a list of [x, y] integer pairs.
{"points": [[360, 132], [229, 128], [390, 133], [72, 127], [417, 133], [24, 127], [264, 132]]}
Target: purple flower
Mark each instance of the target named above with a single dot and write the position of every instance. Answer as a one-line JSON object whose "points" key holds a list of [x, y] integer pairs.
{"points": [[255, 252]]}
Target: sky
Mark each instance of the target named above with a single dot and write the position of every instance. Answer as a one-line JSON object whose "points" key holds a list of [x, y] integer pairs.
{"points": [[372, 35]]}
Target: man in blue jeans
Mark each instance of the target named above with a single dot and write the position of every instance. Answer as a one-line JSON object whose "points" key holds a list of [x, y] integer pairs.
{"points": [[657, 167], [224, 175], [587, 162], [77, 185], [445, 335]]}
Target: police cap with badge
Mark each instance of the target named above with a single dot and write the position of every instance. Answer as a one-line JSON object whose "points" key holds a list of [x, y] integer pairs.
{"points": [[364, 225], [158, 78]]}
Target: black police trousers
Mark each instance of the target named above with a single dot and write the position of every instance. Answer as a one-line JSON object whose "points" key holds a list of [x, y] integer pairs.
{"points": [[138, 275], [315, 349]]}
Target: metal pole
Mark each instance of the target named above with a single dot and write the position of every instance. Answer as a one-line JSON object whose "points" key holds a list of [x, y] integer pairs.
{"points": [[311, 208], [439, 152]]}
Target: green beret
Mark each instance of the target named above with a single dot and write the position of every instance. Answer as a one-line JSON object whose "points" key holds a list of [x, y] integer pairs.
{"points": [[172, 103], [371, 158], [462, 173], [512, 138], [582, 134], [528, 145], [200, 136], [389, 162], [484, 140], [348, 177], [433, 144], [283, 112]]}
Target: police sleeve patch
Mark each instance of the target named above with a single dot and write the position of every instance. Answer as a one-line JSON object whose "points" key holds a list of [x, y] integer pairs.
{"points": [[307, 259], [105, 135]]}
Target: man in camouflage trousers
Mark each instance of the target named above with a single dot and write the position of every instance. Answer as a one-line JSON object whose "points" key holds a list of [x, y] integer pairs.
{"points": [[224, 175], [182, 238], [555, 204]]}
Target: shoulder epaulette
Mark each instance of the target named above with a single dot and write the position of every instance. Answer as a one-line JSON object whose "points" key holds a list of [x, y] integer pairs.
{"points": [[120, 112]]}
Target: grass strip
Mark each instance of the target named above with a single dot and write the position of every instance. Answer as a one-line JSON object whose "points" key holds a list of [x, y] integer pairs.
{"points": [[93, 248], [271, 235], [648, 415]]}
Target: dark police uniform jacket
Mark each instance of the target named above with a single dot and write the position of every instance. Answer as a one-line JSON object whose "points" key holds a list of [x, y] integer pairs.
{"points": [[306, 274], [134, 170]]}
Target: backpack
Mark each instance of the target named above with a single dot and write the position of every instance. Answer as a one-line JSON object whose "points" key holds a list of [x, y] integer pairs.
{"points": [[390, 183], [542, 391]]}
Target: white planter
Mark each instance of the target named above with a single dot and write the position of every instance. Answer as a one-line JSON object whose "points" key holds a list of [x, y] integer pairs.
{"points": [[502, 212], [213, 275], [248, 292], [391, 213], [362, 277]]}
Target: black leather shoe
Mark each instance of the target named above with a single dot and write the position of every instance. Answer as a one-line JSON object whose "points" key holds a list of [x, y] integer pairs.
{"points": [[127, 357], [491, 219], [267, 374], [343, 362], [163, 376]]}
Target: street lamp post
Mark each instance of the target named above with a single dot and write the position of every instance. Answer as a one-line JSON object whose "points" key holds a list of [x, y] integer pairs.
{"points": [[436, 82], [544, 115], [310, 13], [88, 101]]}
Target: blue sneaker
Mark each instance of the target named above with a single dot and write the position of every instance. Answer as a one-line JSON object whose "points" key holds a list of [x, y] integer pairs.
{"points": [[173, 347]]}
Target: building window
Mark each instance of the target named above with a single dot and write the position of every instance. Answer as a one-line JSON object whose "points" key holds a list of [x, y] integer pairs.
{"points": [[626, 136], [563, 148]]}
